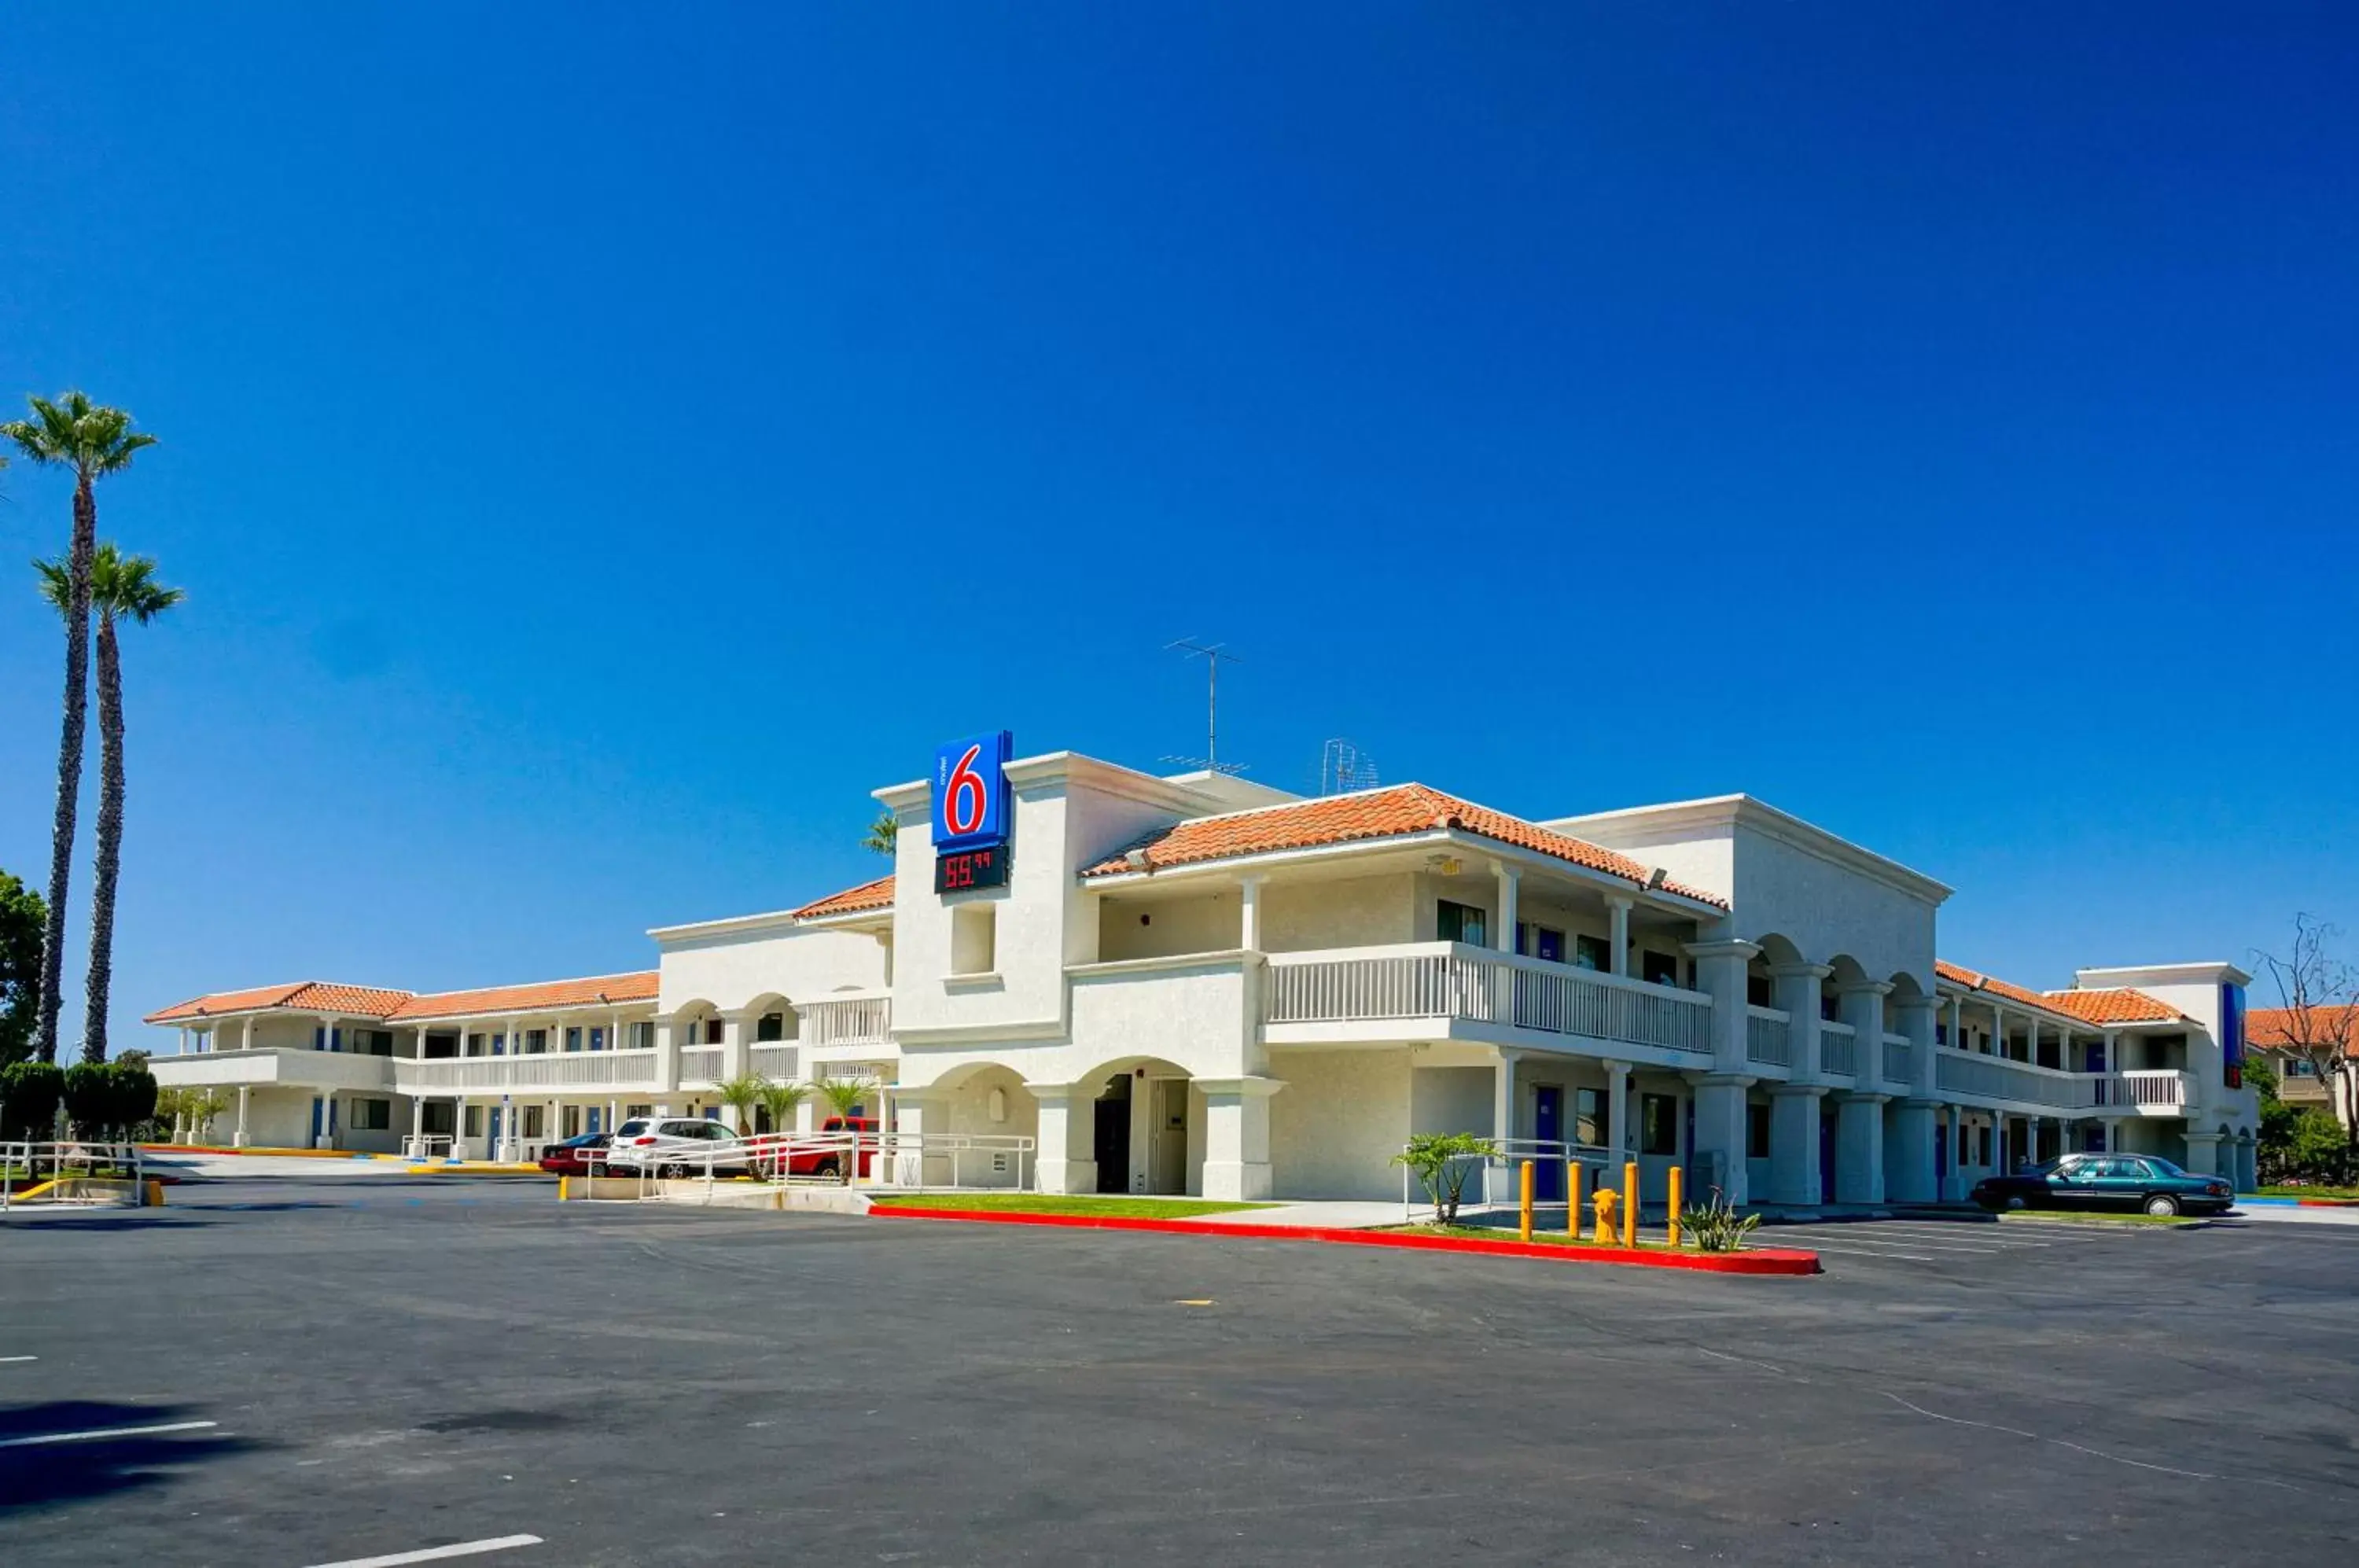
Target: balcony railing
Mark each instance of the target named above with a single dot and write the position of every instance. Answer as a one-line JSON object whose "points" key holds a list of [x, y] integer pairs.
{"points": [[700, 1064], [2148, 1090], [566, 1070], [1896, 1057], [776, 1062], [1838, 1049], [849, 1020], [1768, 1037], [2153, 1093], [1450, 980]]}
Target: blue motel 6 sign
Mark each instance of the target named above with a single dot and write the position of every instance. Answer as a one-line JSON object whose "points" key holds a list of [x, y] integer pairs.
{"points": [[971, 792]]}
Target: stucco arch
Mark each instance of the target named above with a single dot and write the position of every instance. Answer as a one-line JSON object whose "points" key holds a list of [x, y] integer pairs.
{"points": [[1905, 987], [1847, 972], [1776, 951], [769, 1002], [689, 1017]]}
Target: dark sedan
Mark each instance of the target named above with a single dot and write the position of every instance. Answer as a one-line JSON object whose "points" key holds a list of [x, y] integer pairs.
{"points": [[2122, 1183], [570, 1158]]}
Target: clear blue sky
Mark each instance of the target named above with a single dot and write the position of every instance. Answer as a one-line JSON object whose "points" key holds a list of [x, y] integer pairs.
{"points": [[601, 444]]}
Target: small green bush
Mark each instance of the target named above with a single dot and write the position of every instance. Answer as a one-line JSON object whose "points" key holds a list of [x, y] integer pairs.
{"points": [[1713, 1227], [1441, 1160], [29, 1093]]}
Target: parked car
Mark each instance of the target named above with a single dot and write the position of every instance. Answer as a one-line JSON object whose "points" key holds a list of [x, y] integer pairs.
{"points": [[826, 1163], [2126, 1184], [570, 1158], [676, 1145]]}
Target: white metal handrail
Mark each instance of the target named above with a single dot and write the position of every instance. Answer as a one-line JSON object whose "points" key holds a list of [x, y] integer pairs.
{"points": [[847, 1020], [428, 1146], [547, 1070], [1896, 1058], [700, 1064], [65, 1160], [1453, 980], [1509, 1152], [771, 1157]]}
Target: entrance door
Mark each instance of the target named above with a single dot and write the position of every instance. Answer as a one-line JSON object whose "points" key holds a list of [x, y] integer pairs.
{"points": [[1548, 1125], [1168, 1161], [1826, 1158], [1112, 1138]]}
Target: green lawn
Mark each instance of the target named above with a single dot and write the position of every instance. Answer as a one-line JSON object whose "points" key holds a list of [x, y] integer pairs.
{"points": [[2306, 1192], [1067, 1204], [2083, 1216]]}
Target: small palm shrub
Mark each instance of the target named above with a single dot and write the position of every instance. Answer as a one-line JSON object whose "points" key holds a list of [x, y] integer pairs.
{"points": [[1441, 1160], [1716, 1227]]}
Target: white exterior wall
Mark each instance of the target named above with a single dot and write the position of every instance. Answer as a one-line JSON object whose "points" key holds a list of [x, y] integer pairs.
{"points": [[729, 970], [1335, 1128]]}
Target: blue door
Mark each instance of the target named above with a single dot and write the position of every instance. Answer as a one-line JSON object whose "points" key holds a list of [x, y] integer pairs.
{"points": [[1548, 1125], [1826, 1158]]}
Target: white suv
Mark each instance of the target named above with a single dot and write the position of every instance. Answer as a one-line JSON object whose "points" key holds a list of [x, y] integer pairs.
{"points": [[676, 1145]]}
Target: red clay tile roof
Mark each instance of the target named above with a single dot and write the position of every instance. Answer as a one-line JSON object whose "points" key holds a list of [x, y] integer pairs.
{"points": [[598, 990], [1394, 812], [2272, 1028], [2114, 1005], [877, 895], [304, 997]]}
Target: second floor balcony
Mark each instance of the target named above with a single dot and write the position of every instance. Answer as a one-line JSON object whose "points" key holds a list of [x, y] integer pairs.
{"points": [[1429, 988]]}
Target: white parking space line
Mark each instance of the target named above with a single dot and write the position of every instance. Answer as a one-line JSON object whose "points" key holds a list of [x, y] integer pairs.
{"points": [[1915, 1241], [98, 1433], [436, 1554], [19, 1358]]}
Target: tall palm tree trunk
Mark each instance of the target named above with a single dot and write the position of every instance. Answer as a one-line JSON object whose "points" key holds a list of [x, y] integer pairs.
{"points": [[110, 841], [69, 748]]}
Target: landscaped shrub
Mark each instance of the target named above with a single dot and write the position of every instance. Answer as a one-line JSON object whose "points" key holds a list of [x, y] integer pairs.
{"points": [[1441, 1160], [1713, 1227], [29, 1091]]}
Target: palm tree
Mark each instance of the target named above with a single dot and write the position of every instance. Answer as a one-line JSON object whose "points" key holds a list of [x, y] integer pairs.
{"points": [[72, 433], [782, 1100], [122, 587], [883, 835], [843, 1096], [741, 1095]]}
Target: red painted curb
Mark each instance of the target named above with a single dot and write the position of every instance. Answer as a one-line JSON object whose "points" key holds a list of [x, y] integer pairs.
{"points": [[1773, 1261], [2327, 1203]]}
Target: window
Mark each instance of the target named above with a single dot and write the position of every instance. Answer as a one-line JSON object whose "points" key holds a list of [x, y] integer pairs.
{"points": [[475, 1045], [1659, 1124], [1589, 1117], [573, 1038], [597, 1039], [572, 1123], [2301, 1067], [372, 1042], [436, 1120], [638, 1111], [1593, 953], [474, 1121], [536, 1041], [532, 1115], [975, 939], [372, 1115], [1540, 941], [1459, 922], [1982, 1146], [1659, 968], [770, 1026], [643, 1035], [1756, 1129]]}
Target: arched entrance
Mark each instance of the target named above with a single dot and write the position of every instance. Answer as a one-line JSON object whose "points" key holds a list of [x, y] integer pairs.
{"points": [[1146, 1127]]}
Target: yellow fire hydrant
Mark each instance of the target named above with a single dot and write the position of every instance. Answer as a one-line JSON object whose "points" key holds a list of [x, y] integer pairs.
{"points": [[1608, 1232]]}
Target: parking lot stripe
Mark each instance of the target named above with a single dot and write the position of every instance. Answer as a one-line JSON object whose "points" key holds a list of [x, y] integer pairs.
{"points": [[19, 1358], [436, 1554], [102, 1433], [1868, 1252]]}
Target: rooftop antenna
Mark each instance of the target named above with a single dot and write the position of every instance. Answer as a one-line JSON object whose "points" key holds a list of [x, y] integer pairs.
{"points": [[1344, 767], [1212, 654]]}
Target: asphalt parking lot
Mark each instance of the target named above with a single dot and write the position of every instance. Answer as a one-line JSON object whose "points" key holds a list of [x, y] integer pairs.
{"points": [[400, 1365]]}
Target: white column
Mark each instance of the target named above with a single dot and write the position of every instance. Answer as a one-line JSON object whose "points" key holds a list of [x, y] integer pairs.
{"points": [[736, 1056], [1510, 883], [1957, 1023], [1498, 1174], [615, 1030], [1998, 1030], [237, 1139], [326, 1136], [1617, 1118], [1067, 1129], [1955, 1186], [1911, 1171], [459, 1150], [246, 1035], [1236, 1138], [182, 1048], [667, 1058], [1249, 914], [1796, 989], [1721, 970], [1617, 943]]}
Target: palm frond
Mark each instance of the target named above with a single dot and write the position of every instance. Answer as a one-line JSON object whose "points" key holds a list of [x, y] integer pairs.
{"points": [[124, 586], [56, 583], [73, 432]]}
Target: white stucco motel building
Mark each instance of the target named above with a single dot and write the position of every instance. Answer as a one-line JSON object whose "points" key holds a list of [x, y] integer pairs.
{"points": [[1199, 985]]}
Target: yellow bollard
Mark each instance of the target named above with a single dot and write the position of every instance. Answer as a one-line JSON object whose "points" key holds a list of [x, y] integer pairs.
{"points": [[155, 1194], [1630, 1204], [1524, 1206], [562, 1184], [1572, 1198], [1606, 1232], [1673, 1228]]}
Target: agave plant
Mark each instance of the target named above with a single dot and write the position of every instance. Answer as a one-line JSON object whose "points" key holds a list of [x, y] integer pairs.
{"points": [[1714, 1226]]}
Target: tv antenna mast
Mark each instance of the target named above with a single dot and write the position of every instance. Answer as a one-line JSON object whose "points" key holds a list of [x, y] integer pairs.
{"points": [[1212, 654], [1343, 768]]}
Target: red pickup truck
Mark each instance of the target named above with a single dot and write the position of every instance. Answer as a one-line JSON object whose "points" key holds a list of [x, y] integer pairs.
{"points": [[829, 1162]]}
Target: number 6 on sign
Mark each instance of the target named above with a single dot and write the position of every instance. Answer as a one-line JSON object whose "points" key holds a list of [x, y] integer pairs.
{"points": [[971, 792]]}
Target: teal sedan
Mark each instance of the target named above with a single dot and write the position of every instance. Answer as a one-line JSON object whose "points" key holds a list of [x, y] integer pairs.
{"points": [[2122, 1183]]}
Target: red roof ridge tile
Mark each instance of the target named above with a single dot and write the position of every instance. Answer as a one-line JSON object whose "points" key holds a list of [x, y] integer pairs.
{"points": [[874, 894]]}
